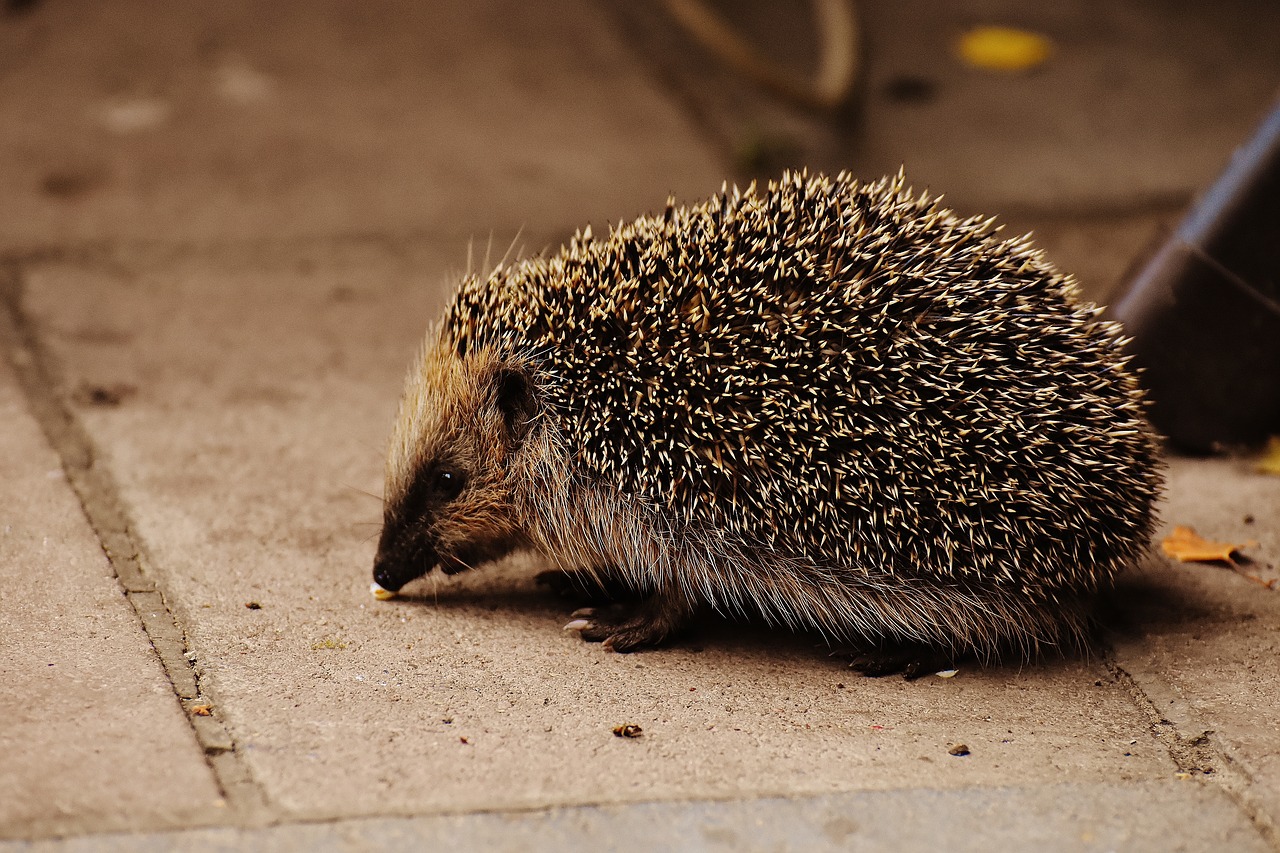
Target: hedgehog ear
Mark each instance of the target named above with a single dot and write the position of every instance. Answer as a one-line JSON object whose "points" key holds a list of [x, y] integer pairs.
{"points": [[513, 392]]}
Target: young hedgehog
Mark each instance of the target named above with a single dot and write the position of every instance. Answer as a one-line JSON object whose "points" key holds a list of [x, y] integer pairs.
{"points": [[832, 405]]}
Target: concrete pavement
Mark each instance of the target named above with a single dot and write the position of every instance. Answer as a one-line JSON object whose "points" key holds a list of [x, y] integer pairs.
{"points": [[226, 231]]}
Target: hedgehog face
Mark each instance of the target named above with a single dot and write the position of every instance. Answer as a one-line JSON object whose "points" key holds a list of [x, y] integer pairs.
{"points": [[448, 493]]}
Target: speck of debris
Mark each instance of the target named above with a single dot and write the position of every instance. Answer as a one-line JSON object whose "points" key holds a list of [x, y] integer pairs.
{"points": [[959, 749], [253, 605], [92, 394], [910, 89], [627, 730], [448, 721], [465, 739], [1249, 519]]}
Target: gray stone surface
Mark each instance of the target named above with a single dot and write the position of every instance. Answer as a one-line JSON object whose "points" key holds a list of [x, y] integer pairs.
{"points": [[91, 734], [1157, 817], [264, 388], [233, 223], [1140, 104], [1203, 641], [148, 120]]}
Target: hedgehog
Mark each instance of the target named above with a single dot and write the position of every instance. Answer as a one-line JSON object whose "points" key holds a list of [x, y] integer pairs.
{"points": [[830, 405]]}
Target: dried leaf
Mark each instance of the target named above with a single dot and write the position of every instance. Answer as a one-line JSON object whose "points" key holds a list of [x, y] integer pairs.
{"points": [[627, 730], [1003, 48], [1270, 461], [1187, 546]]}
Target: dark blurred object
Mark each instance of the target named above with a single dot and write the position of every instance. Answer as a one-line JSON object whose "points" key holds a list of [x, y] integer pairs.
{"points": [[911, 89], [1204, 311], [14, 7]]}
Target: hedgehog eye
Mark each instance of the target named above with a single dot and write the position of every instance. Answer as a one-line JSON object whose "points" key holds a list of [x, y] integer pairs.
{"points": [[446, 484]]}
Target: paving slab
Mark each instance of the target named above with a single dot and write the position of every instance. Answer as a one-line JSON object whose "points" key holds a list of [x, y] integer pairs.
{"points": [[1179, 816], [1138, 105], [1203, 640], [1097, 151], [231, 242], [149, 120], [91, 733], [248, 446]]}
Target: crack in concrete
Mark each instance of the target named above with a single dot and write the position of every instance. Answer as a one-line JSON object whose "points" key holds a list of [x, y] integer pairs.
{"points": [[1198, 756], [39, 377]]}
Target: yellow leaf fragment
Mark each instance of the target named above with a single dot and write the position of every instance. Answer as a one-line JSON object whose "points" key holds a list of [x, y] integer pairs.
{"points": [[1003, 48], [1270, 461], [1187, 546]]}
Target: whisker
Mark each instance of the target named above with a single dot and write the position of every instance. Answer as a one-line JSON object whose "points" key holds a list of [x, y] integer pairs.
{"points": [[379, 498]]}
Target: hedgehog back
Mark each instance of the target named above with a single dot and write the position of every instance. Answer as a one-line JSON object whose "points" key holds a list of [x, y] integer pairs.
{"points": [[840, 373]]}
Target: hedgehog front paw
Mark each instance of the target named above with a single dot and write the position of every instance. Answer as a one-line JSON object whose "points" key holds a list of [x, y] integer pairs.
{"points": [[630, 627]]}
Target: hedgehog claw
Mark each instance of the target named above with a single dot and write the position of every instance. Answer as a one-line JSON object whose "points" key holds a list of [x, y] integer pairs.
{"points": [[629, 627]]}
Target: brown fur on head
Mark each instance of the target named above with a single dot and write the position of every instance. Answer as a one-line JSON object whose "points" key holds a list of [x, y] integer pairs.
{"points": [[449, 484]]}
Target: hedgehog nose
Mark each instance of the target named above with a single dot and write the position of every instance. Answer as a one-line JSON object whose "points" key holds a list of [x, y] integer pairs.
{"points": [[385, 576], [393, 574], [395, 566]]}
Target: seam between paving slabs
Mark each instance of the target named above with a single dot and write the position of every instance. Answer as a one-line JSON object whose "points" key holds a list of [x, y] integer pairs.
{"points": [[1199, 755], [38, 375]]}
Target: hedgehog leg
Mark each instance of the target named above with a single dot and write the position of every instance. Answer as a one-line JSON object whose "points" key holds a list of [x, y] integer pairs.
{"points": [[589, 586], [639, 625], [912, 660]]}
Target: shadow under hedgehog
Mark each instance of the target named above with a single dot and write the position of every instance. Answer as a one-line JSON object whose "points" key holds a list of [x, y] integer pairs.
{"points": [[831, 405]]}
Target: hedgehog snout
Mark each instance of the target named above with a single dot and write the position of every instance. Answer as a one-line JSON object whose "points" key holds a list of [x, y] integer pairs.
{"points": [[401, 558]]}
